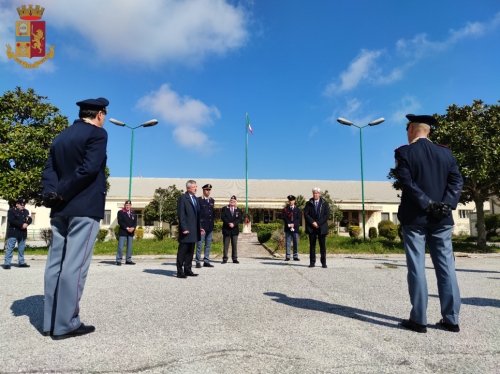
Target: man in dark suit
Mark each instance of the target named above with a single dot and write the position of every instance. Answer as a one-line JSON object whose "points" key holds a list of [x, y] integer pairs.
{"points": [[127, 220], [316, 213], [74, 186], [188, 212], [231, 217], [431, 184], [19, 220], [206, 204], [293, 219]]}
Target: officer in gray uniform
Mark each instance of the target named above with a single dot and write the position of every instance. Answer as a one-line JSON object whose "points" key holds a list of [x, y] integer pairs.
{"points": [[74, 187], [19, 220], [431, 184]]}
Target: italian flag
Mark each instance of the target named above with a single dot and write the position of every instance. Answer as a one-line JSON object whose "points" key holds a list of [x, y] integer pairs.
{"points": [[248, 125]]}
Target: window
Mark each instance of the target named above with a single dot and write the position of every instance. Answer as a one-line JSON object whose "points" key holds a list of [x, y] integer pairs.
{"points": [[107, 218], [395, 218], [33, 216], [462, 213], [140, 222], [384, 216]]}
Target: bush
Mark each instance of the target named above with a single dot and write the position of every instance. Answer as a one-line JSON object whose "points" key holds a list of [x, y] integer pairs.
{"points": [[116, 229], [260, 227], [101, 235], [354, 231], [218, 226], [279, 237], [383, 223], [492, 223], [46, 235], [217, 237], [264, 236], [372, 233], [400, 232], [139, 233], [389, 231], [160, 233]]}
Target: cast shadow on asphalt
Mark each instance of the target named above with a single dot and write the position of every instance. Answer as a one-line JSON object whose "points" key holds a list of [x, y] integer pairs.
{"points": [[31, 306], [340, 310], [478, 301], [283, 263], [167, 273]]}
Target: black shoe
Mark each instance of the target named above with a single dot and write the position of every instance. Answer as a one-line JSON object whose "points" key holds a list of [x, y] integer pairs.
{"points": [[236, 262], [224, 261], [409, 324], [25, 265], [6, 267], [47, 333], [449, 326], [324, 266], [82, 330], [296, 259], [287, 259], [181, 275], [118, 263], [207, 265], [311, 265], [190, 274], [198, 266], [130, 263]]}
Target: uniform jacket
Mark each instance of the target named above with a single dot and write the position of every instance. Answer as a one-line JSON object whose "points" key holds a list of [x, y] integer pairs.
{"points": [[292, 216], [426, 171], [321, 218], [206, 213], [125, 221], [17, 217], [227, 218], [75, 170], [189, 219]]}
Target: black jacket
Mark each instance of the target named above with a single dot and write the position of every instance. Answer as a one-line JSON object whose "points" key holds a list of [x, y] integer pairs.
{"points": [[206, 213], [227, 218], [18, 217], [321, 218], [189, 219], [292, 216], [125, 221]]}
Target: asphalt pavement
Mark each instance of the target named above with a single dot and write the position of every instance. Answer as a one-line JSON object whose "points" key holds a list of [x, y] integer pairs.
{"points": [[263, 315]]}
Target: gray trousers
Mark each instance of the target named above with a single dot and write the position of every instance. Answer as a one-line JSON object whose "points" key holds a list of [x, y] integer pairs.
{"points": [[234, 246], [121, 243], [70, 252]]}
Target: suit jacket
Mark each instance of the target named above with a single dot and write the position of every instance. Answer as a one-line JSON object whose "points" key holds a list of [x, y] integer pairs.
{"points": [[75, 170], [292, 216], [17, 217], [189, 219], [321, 218], [206, 213], [125, 221], [426, 171], [227, 218]]}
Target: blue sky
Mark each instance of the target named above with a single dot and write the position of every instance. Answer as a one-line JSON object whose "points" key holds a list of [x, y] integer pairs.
{"points": [[295, 66]]}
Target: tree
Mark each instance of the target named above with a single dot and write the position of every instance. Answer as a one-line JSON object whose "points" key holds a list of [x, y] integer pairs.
{"points": [[336, 214], [163, 207], [28, 125], [300, 202], [472, 132]]}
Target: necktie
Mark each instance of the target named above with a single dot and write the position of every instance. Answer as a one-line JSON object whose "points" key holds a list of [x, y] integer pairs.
{"points": [[232, 211], [128, 212], [316, 206], [195, 206]]}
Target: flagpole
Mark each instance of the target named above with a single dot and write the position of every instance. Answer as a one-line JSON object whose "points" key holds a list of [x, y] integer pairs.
{"points": [[246, 161]]}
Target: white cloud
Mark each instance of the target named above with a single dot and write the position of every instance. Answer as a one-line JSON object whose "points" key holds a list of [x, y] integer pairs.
{"points": [[313, 131], [408, 104], [155, 31], [189, 116]]}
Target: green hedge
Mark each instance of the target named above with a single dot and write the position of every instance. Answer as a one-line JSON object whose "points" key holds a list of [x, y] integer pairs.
{"points": [[389, 232], [372, 233], [354, 231]]}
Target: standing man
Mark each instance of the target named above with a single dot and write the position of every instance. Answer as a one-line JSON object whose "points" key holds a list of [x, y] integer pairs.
{"points": [[19, 219], [127, 220], [231, 217], [316, 213], [74, 186], [431, 184], [188, 212], [293, 219], [206, 204]]}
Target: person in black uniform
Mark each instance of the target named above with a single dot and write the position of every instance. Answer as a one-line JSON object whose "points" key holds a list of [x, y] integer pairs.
{"points": [[19, 220], [74, 187], [293, 219], [231, 217], [316, 213], [431, 185], [190, 231], [206, 204], [127, 220]]}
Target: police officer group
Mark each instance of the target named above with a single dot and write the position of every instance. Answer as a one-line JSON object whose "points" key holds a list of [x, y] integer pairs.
{"points": [[74, 187]]}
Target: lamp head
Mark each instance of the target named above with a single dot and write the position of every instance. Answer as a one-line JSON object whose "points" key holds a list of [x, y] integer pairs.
{"points": [[116, 122], [343, 121], [376, 122], [149, 123]]}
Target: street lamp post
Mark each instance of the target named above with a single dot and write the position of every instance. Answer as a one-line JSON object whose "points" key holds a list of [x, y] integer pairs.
{"points": [[149, 123], [343, 121]]}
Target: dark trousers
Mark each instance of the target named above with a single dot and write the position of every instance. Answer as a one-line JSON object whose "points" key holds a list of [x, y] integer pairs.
{"points": [[234, 247], [312, 247], [185, 254]]}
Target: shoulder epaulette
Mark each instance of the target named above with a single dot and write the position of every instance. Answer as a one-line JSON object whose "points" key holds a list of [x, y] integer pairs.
{"points": [[401, 146]]}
